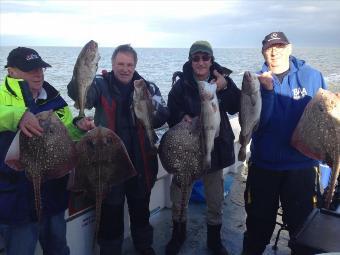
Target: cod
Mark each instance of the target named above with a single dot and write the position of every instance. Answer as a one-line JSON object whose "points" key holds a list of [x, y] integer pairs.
{"points": [[250, 110], [83, 74]]}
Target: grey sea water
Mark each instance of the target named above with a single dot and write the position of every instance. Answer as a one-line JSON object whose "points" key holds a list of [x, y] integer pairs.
{"points": [[158, 64]]}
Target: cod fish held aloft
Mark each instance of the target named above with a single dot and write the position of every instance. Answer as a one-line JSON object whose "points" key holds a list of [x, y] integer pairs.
{"points": [[84, 72], [210, 118], [250, 110], [143, 109], [317, 134], [45, 157], [102, 163], [181, 154]]}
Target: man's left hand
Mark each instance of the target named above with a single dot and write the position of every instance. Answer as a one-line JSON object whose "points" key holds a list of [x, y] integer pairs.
{"points": [[220, 81]]}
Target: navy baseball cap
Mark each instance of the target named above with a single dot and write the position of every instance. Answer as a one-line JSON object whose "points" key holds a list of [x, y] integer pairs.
{"points": [[274, 38], [25, 59]]}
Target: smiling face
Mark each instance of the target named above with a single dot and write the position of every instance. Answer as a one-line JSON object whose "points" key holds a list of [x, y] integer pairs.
{"points": [[123, 66], [277, 57], [201, 63]]}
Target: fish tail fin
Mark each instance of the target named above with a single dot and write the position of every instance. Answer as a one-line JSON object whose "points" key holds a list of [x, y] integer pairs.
{"points": [[99, 198], [207, 161], [242, 154], [332, 183], [37, 195], [76, 105], [81, 113], [98, 212]]}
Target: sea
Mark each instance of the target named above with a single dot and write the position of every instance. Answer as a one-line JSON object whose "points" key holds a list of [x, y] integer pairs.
{"points": [[158, 64]]}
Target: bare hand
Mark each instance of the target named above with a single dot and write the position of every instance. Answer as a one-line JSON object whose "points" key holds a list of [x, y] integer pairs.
{"points": [[29, 125], [86, 124], [220, 81], [266, 80], [187, 118]]}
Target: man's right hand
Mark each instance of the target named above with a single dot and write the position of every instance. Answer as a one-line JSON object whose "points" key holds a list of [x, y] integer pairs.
{"points": [[266, 80], [29, 125]]}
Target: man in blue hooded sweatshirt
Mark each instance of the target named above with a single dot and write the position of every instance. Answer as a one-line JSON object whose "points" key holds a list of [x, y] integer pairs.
{"points": [[278, 173]]}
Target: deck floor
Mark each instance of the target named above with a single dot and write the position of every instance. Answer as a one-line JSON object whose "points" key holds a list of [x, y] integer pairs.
{"points": [[232, 230]]}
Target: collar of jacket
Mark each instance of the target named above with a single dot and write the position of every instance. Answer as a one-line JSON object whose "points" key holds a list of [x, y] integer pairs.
{"points": [[189, 77], [19, 88], [110, 78], [295, 65], [14, 86]]}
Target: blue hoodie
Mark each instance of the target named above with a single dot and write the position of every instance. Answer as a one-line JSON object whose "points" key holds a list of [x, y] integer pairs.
{"points": [[281, 110]]}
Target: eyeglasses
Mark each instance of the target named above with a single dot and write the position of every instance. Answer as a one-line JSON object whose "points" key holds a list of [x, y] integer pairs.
{"points": [[276, 48], [203, 57], [37, 70]]}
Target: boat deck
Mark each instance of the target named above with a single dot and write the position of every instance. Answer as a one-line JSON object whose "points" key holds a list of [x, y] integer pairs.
{"points": [[232, 230]]}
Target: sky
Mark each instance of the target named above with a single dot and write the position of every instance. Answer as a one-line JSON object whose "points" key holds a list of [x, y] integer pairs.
{"points": [[168, 24]]}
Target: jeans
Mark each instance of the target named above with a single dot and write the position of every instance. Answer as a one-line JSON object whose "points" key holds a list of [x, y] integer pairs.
{"points": [[52, 235], [19, 238]]}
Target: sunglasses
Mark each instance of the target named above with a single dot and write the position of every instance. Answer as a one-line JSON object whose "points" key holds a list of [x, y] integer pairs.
{"points": [[198, 58]]}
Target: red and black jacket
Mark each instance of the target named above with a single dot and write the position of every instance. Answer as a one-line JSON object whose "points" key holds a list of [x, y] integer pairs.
{"points": [[113, 110]]}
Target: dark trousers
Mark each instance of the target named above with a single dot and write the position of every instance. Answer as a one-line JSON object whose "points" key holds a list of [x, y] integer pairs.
{"points": [[111, 230], [265, 190]]}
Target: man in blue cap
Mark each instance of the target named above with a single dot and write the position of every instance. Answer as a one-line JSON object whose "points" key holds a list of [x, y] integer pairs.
{"points": [[278, 173]]}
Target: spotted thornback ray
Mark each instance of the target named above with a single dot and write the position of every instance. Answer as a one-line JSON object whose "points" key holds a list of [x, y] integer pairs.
{"points": [[102, 162], [317, 134], [181, 154], [49, 156], [84, 72], [143, 109], [250, 110], [210, 118]]}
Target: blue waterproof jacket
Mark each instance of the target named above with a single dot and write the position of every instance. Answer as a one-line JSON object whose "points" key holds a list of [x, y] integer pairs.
{"points": [[16, 191], [281, 110], [184, 99]]}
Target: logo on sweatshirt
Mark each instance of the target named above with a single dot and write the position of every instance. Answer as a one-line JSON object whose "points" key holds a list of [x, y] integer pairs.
{"points": [[299, 93]]}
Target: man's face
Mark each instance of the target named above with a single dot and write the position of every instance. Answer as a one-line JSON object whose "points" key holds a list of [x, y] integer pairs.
{"points": [[34, 78], [277, 55], [124, 66], [201, 63]]}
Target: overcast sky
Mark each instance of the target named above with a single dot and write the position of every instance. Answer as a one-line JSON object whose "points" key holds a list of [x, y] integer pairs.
{"points": [[174, 24]]}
